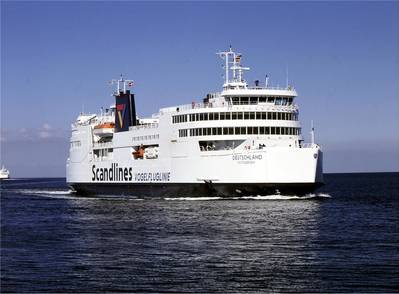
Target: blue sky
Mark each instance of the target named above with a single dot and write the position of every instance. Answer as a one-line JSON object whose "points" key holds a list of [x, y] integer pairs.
{"points": [[56, 59]]}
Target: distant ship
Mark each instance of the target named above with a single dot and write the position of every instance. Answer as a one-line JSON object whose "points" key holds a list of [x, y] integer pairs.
{"points": [[242, 141], [4, 173]]}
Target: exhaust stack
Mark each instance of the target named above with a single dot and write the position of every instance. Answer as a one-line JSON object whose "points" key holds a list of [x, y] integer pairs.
{"points": [[125, 107]]}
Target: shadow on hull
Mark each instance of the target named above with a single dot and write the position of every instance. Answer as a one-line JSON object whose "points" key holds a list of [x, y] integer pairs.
{"points": [[194, 190]]}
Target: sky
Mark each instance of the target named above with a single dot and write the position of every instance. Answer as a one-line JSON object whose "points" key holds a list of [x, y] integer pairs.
{"points": [[57, 58]]}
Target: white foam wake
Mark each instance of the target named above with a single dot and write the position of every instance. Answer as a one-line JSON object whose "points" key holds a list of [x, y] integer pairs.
{"points": [[45, 193], [194, 198], [285, 197], [255, 197]]}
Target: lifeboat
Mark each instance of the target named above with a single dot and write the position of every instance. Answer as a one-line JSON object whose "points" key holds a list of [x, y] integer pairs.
{"points": [[104, 129]]}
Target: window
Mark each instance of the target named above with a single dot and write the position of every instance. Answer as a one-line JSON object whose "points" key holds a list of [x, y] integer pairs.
{"points": [[252, 115], [222, 116], [253, 100], [278, 101], [246, 115], [263, 115], [261, 130], [239, 115], [228, 115], [234, 115], [216, 116]]}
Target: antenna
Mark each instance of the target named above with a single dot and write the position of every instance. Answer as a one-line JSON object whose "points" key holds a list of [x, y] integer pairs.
{"points": [[266, 81], [128, 83], [286, 75], [312, 131], [232, 58]]}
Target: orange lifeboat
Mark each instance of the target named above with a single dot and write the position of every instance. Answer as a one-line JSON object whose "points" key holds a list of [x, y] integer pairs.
{"points": [[108, 125], [104, 130]]}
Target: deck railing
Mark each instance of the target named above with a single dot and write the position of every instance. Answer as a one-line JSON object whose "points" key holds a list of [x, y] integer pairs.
{"points": [[144, 126], [102, 145]]}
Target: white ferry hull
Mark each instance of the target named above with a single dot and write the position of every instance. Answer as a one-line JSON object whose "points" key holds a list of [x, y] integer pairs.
{"points": [[276, 170]]}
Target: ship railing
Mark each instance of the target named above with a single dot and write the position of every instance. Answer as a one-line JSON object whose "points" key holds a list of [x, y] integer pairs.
{"points": [[229, 105], [266, 107], [144, 126], [289, 88], [102, 144], [193, 105]]}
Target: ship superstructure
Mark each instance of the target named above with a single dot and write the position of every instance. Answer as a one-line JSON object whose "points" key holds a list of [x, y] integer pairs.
{"points": [[242, 141]]}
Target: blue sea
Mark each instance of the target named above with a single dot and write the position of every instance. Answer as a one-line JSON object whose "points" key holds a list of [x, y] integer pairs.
{"points": [[343, 238]]}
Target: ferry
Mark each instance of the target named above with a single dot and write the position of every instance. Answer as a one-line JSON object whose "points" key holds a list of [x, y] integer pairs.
{"points": [[4, 173], [245, 140]]}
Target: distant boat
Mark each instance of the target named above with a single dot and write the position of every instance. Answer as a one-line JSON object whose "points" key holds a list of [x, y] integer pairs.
{"points": [[4, 173]]}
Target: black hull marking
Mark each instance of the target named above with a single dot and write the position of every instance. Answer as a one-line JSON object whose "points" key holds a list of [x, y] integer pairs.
{"points": [[193, 189]]}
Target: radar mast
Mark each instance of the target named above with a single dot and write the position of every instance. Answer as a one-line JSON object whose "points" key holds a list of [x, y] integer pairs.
{"points": [[233, 64]]}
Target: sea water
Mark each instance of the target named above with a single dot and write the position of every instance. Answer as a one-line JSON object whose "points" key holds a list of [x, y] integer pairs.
{"points": [[343, 238]]}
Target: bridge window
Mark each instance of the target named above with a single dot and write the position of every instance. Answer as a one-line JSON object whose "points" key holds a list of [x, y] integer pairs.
{"points": [[244, 100], [253, 100]]}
